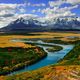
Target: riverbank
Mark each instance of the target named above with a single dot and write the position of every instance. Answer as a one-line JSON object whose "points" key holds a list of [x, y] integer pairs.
{"points": [[71, 72], [73, 57], [54, 49], [73, 42], [50, 59], [17, 58], [68, 68]]}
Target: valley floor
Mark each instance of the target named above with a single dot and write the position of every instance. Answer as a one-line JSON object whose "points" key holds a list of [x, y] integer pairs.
{"points": [[66, 69], [5, 40]]}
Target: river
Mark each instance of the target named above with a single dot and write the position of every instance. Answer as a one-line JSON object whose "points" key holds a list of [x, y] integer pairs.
{"points": [[51, 58]]}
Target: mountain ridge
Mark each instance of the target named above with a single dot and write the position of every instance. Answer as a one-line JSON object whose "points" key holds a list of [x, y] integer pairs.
{"points": [[35, 25]]}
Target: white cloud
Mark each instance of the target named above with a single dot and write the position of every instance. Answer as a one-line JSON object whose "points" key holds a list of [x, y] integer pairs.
{"points": [[49, 10], [58, 3], [68, 13], [55, 3], [28, 4], [36, 5], [54, 11], [10, 9], [33, 11], [8, 20], [8, 12], [38, 10], [57, 12], [65, 14], [22, 10], [73, 2], [10, 6], [62, 10], [7, 9], [7, 6], [26, 15]]}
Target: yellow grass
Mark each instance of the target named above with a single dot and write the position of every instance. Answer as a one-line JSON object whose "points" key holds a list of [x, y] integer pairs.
{"points": [[5, 40], [71, 72], [56, 34]]}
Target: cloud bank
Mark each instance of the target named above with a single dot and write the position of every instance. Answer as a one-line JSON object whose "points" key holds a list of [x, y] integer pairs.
{"points": [[50, 10]]}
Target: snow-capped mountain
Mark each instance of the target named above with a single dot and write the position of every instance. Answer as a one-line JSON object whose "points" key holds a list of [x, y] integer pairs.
{"points": [[29, 24]]}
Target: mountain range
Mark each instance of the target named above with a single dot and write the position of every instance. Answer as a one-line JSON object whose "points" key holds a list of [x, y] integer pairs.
{"points": [[30, 24]]}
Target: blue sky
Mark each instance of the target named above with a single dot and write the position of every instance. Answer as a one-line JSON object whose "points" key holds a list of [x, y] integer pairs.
{"points": [[22, 1], [11, 1], [47, 9]]}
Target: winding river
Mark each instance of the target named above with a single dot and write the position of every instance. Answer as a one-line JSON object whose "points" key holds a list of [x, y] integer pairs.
{"points": [[51, 58]]}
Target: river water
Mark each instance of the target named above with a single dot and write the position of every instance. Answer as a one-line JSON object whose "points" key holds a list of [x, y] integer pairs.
{"points": [[51, 58]]}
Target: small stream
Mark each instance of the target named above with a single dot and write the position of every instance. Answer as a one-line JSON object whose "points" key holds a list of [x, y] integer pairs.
{"points": [[51, 58]]}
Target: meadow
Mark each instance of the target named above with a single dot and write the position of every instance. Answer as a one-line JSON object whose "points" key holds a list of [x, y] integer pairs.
{"points": [[66, 69]]}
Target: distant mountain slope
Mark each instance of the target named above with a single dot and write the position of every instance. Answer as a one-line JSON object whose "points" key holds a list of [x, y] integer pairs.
{"points": [[33, 24]]}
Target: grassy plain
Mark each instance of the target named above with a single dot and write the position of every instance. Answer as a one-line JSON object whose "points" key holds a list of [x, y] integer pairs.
{"points": [[53, 72], [5, 40]]}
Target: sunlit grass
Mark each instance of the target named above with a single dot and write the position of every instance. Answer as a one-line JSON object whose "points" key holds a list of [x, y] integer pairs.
{"points": [[5, 40], [48, 72]]}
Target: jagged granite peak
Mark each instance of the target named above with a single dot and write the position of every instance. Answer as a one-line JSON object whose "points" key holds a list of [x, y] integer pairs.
{"points": [[33, 24]]}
